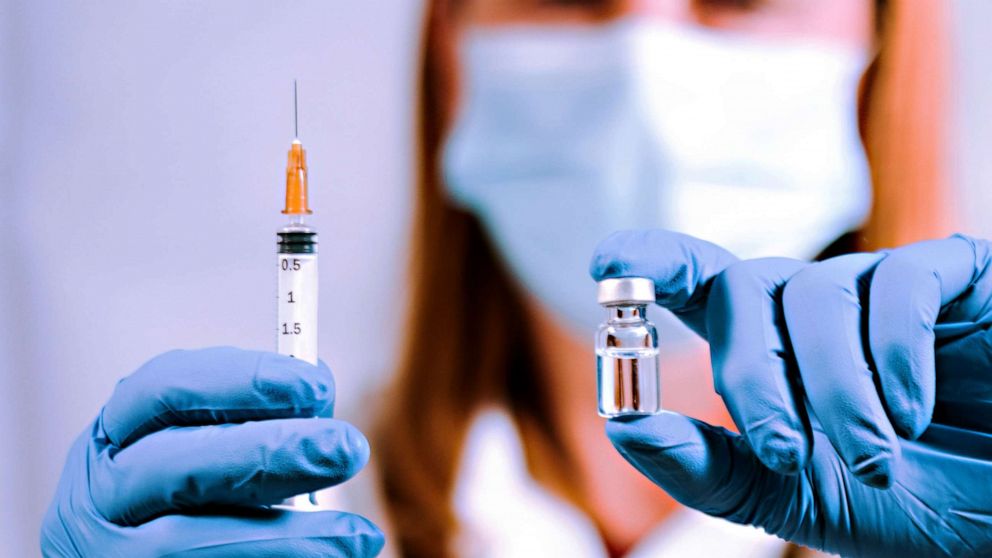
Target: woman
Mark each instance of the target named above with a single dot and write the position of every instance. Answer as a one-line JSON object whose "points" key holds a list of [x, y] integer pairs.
{"points": [[572, 141], [493, 343]]}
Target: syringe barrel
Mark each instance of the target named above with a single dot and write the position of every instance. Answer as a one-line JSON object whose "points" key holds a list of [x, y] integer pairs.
{"points": [[296, 324]]}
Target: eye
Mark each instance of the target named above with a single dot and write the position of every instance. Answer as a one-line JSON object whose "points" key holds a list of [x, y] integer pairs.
{"points": [[575, 10], [728, 4], [592, 4], [729, 14], [497, 12], [591, 7]]}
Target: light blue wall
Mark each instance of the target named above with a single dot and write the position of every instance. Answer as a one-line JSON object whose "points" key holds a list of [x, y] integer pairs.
{"points": [[972, 131], [15, 526]]}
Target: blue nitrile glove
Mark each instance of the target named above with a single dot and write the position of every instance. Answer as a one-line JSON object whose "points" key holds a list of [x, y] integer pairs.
{"points": [[821, 366], [189, 450]]}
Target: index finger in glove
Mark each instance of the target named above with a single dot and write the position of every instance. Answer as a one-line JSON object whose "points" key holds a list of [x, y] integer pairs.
{"points": [[908, 289], [753, 368], [824, 316], [681, 266], [255, 463], [215, 386], [261, 533]]}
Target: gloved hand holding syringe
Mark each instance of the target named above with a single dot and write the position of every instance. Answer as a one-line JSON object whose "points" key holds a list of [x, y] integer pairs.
{"points": [[195, 450]]}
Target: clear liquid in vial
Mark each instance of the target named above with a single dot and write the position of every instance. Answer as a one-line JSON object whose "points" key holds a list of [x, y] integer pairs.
{"points": [[628, 381]]}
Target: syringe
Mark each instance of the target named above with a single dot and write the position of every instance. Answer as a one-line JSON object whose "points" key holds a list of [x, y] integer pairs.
{"points": [[297, 271]]}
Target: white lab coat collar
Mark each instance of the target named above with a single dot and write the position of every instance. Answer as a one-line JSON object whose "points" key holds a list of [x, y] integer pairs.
{"points": [[505, 513]]}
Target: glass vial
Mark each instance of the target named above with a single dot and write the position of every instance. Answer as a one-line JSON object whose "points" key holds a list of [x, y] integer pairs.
{"points": [[627, 349]]}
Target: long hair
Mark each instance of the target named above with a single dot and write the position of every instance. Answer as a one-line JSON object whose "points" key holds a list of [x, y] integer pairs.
{"points": [[904, 126], [468, 342]]}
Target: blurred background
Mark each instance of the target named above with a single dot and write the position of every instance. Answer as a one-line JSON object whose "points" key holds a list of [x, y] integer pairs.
{"points": [[125, 124]]}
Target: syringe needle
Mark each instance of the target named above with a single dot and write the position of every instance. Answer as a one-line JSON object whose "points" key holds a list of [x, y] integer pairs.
{"points": [[297, 270], [296, 171]]}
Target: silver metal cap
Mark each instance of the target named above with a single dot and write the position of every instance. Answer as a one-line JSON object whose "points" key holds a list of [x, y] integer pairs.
{"points": [[625, 290]]}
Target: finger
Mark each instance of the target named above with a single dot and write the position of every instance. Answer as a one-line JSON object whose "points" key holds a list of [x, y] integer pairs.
{"points": [[261, 534], [681, 266], [702, 466], [214, 386], [753, 369], [974, 305], [823, 314], [254, 463], [908, 288], [964, 392]]}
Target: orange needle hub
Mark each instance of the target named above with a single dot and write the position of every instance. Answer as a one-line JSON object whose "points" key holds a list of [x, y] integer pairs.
{"points": [[296, 181]]}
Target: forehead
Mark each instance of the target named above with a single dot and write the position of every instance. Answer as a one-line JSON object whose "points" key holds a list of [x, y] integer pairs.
{"points": [[848, 21]]}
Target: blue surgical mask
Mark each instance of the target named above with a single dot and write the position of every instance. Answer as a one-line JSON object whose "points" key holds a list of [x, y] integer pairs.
{"points": [[566, 134]]}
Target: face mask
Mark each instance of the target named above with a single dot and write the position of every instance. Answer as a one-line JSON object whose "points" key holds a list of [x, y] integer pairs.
{"points": [[567, 134]]}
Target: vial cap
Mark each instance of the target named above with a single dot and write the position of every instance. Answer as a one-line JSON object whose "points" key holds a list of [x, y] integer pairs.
{"points": [[625, 290]]}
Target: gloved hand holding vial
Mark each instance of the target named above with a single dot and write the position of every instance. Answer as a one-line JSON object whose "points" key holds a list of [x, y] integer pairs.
{"points": [[852, 382]]}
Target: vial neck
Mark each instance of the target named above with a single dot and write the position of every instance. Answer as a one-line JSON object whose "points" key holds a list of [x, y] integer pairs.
{"points": [[627, 313]]}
